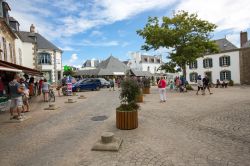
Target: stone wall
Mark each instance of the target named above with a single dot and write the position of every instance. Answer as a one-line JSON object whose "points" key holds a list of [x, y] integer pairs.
{"points": [[245, 66]]}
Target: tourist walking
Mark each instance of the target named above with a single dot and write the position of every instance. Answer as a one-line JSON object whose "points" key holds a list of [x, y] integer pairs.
{"points": [[25, 96], [162, 89], [206, 84], [45, 90], [199, 85], [16, 91], [112, 84]]}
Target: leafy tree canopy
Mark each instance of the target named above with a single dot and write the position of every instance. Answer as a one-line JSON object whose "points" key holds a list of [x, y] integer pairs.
{"points": [[185, 34]]}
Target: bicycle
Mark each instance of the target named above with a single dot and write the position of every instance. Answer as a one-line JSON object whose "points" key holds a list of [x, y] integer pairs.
{"points": [[52, 96]]}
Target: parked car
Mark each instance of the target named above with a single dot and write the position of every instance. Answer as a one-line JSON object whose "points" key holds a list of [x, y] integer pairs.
{"points": [[86, 84], [104, 83]]}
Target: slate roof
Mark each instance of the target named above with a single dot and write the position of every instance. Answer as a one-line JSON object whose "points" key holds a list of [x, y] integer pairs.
{"points": [[42, 42], [225, 45], [113, 64], [140, 73], [106, 67]]}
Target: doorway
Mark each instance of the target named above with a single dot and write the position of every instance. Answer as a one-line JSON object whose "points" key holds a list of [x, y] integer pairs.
{"points": [[209, 75]]}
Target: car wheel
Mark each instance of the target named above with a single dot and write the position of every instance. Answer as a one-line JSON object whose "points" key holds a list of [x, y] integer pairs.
{"points": [[97, 88]]}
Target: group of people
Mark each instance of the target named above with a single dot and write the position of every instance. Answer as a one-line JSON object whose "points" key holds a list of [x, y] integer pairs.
{"points": [[19, 92], [203, 84]]}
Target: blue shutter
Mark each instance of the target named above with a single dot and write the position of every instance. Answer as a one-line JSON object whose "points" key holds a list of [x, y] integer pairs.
{"points": [[190, 77], [229, 75], [210, 62], [196, 64], [190, 66], [221, 75], [228, 60], [204, 63], [220, 61]]}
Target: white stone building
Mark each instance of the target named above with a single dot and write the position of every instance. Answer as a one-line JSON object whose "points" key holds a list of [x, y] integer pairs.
{"points": [[39, 53], [142, 62], [225, 65]]}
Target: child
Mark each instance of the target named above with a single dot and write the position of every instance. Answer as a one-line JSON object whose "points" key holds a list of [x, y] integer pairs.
{"points": [[171, 85]]}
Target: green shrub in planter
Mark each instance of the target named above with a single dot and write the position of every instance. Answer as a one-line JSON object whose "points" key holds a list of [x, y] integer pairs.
{"points": [[231, 83], [189, 87], [130, 89], [146, 82]]}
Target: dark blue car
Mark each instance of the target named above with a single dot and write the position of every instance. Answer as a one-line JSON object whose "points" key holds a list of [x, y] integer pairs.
{"points": [[86, 84]]}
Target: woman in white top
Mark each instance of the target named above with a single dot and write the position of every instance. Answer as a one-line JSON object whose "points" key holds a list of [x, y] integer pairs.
{"points": [[200, 85], [45, 89]]}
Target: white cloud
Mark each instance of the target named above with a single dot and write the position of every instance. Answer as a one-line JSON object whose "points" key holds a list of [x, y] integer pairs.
{"points": [[98, 43], [96, 33], [73, 58], [227, 14], [67, 48]]}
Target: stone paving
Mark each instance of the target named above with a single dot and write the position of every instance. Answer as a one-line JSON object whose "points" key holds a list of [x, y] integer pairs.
{"points": [[186, 130]]}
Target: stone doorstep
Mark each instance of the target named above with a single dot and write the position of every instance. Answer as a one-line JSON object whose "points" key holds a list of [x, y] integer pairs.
{"points": [[82, 97], [51, 108], [20, 120], [70, 102], [112, 146]]}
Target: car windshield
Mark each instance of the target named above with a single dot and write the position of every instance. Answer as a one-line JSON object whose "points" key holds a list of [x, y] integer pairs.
{"points": [[80, 81]]}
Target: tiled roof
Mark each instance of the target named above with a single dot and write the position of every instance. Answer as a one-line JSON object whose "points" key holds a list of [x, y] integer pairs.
{"points": [[225, 45], [42, 42], [141, 73]]}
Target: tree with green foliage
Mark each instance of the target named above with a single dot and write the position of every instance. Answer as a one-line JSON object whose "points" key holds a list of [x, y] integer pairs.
{"points": [[185, 34]]}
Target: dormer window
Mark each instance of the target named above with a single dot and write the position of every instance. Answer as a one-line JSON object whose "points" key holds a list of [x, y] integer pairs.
{"points": [[158, 61], [146, 59], [152, 60], [44, 58]]}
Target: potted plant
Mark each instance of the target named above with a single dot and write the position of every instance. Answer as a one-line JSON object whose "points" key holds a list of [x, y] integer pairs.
{"points": [[146, 86], [127, 112]]}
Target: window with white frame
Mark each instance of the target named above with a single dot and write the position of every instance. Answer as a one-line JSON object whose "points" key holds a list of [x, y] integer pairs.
{"points": [[193, 65], [225, 61], [148, 68], [44, 58], [208, 63], [193, 77], [225, 75]]}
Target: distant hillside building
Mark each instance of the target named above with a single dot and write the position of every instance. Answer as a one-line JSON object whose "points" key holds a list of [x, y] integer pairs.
{"points": [[142, 62], [231, 63], [90, 64]]}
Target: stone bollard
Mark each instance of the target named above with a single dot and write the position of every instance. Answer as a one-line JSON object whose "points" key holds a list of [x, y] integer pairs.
{"points": [[81, 97], [70, 100], [107, 137], [52, 106], [108, 142]]}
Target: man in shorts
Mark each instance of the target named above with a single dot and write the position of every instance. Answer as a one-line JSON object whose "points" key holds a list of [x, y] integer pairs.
{"points": [[16, 91]]}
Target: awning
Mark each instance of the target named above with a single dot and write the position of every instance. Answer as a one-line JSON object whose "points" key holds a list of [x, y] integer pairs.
{"points": [[119, 73], [26, 70], [2, 68]]}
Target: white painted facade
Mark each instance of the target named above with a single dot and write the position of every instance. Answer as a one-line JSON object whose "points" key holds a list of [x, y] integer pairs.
{"points": [[53, 71], [150, 63], [215, 70]]}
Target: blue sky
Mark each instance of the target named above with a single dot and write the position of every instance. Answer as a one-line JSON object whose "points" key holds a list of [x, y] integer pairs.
{"points": [[87, 29]]}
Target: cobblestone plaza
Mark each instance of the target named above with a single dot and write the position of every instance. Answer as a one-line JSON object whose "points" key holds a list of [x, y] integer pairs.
{"points": [[186, 130]]}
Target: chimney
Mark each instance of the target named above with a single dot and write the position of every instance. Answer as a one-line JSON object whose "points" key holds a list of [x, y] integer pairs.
{"points": [[32, 28], [243, 38]]}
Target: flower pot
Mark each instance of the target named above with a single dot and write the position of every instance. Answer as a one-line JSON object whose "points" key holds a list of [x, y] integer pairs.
{"points": [[146, 90], [126, 120], [139, 98]]}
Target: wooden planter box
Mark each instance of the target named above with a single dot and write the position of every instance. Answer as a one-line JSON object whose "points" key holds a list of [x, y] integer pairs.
{"points": [[146, 90], [139, 99], [126, 120]]}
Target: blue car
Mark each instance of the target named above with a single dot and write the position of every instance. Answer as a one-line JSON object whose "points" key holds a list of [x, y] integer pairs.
{"points": [[86, 84]]}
